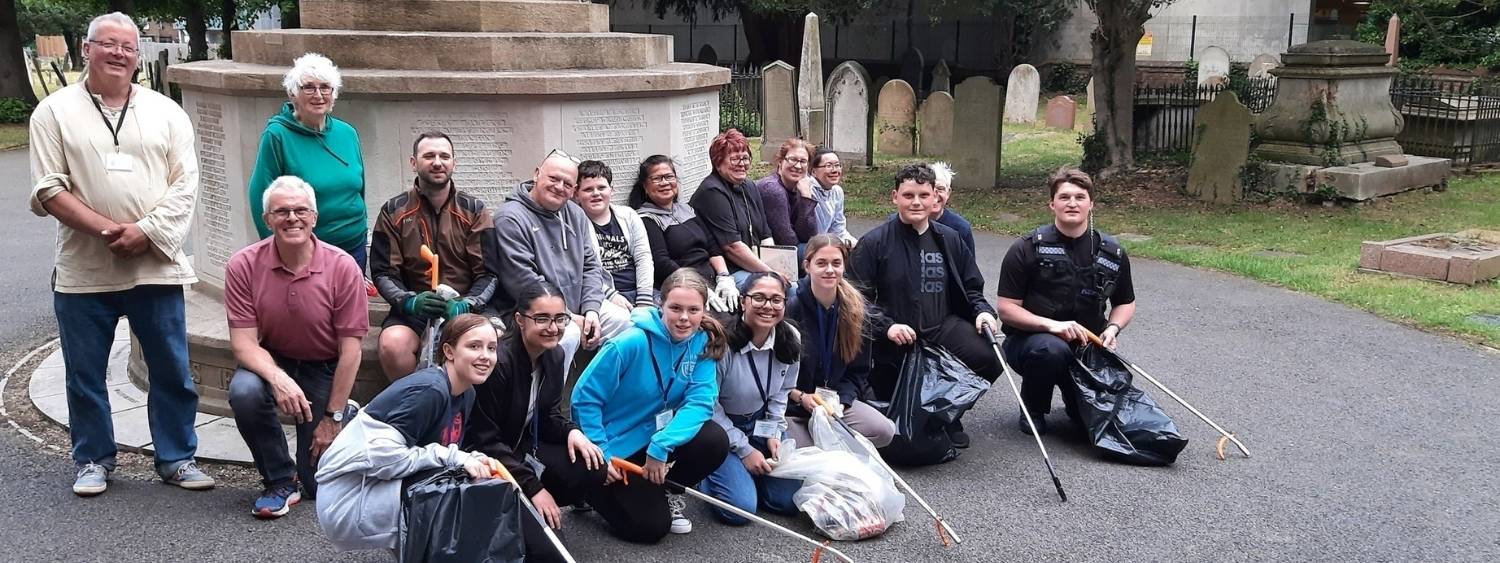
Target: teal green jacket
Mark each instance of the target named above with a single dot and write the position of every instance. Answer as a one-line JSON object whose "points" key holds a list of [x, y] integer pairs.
{"points": [[329, 160]]}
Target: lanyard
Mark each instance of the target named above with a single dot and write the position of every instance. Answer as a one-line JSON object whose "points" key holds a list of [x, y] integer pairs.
{"points": [[114, 130], [749, 219], [666, 387], [765, 395], [826, 362]]}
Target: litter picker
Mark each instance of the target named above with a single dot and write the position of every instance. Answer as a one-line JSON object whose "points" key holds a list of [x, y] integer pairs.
{"points": [[498, 469], [944, 530], [1138, 371], [434, 326], [632, 469], [1025, 414]]}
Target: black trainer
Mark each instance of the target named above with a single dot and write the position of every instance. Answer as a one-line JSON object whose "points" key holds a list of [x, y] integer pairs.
{"points": [[1039, 420], [957, 435]]}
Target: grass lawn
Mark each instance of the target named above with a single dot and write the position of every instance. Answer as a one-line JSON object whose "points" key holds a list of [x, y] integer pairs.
{"points": [[1307, 248], [13, 135]]}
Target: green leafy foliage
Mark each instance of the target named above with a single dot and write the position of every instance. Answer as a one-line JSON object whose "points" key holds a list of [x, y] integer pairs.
{"points": [[14, 110], [1461, 34]]}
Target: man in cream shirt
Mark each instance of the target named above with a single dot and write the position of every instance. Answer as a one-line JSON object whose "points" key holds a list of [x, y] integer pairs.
{"points": [[115, 164]]}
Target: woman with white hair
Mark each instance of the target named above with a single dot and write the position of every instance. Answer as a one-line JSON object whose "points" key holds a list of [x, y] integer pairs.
{"points": [[305, 140]]}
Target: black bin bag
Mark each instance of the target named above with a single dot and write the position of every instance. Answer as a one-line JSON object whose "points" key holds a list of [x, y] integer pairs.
{"points": [[448, 516], [933, 389], [1122, 422]]}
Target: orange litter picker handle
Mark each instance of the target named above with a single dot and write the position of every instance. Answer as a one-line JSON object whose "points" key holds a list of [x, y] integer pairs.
{"points": [[432, 266], [827, 407]]}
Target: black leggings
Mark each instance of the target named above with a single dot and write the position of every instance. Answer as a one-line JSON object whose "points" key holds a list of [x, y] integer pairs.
{"points": [[637, 512], [955, 335], [566, 482]]}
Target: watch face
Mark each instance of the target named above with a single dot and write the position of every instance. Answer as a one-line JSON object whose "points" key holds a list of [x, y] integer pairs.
{"points": [[338, 416]]}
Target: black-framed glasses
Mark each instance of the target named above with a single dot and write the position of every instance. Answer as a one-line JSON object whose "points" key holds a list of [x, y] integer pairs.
{"points": [[558, 320], [739, 159], [761, 300], [287, 213], [831, 166], [564, 154], [663, 179], [112, 46]]}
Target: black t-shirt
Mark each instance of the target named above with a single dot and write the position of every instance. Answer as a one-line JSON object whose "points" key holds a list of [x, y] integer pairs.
{"points": [[684, 245], [422, 407], [615, 253], [1019, 267], [932, 281], [731, 213]]}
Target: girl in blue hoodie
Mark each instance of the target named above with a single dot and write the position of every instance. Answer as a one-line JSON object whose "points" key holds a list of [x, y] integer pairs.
{"points": [[645, 398]]}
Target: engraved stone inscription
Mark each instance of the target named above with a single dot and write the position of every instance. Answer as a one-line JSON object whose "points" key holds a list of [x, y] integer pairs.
{"points": [[481, 145], [698, 131], [613, 136], [213, 187]]}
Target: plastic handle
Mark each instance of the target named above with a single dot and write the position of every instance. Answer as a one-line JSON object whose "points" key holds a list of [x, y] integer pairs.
{"points": [[626, 466], [819, 400], [432, 265], [1093, 337], [498, 470]]}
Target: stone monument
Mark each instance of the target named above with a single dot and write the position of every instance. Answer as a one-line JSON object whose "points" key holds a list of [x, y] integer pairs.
{"points": [[1062, 113], [1021, 92], [942, 78], [1221, 145], [1262, 65], [778, 85], [1213, 62], [976, 145], [848, 113], [810, 103], [1332, 118], [508, 80], [935, 124], [896, 119]]}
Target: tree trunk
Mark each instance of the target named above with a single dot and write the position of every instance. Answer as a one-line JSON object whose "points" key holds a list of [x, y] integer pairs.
{"points": [[291, 17], [14, 81], [1003, 44], [125, 6], [197, 29], [75, 53], [772, 37], [228, 14], [1120, 29]]}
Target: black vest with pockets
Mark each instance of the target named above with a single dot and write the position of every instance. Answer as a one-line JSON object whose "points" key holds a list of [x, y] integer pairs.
{"points": [[1062, 291]]}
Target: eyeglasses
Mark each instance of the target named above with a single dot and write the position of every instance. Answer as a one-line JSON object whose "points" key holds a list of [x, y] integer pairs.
{"points": [[286, 213], [111, 46], [559, 152], [831, 166], [761, 300], [739, 160], [558, 320], [797, 161], [663, 179], [311, 89]]}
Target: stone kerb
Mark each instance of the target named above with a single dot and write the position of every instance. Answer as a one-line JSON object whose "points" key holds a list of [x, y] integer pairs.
{"points": [[896, 119], [542, 16], [976, 145], [1021, 92], [848, 112], [935, 129]]}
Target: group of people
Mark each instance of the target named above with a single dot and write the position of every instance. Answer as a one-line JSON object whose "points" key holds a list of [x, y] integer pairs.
{"points": [[706, 360]]}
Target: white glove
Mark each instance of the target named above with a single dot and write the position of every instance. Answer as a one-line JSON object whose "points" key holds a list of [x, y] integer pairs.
{"points": [[717, 304], [728, 293], [446, 292]]}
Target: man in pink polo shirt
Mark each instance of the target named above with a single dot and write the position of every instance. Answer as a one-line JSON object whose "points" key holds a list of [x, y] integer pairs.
{"points": [[297, 311]]}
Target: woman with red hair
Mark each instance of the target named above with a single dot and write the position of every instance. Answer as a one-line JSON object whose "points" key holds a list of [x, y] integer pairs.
{"points": [[731, 208]]}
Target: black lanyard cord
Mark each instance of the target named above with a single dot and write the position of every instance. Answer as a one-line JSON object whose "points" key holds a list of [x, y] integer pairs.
{"points": [[114, 131]]}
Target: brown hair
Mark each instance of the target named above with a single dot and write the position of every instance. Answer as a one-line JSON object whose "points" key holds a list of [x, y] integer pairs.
{"points": [[690, 280], [851, 323], [455, 329], [1069, 176], [791, 145], [727, 143]]}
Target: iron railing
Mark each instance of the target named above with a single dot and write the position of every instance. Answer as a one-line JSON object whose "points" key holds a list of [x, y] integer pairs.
{"points": [[1449, 118], [739, 101], [1164, 115]]}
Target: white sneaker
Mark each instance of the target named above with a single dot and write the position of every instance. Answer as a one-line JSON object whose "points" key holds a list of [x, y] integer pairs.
{"points": [[680, 524]]}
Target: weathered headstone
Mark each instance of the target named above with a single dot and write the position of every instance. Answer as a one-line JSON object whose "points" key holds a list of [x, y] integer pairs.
{"points": [[1393, 38], [779, 115], [912, 64], [848, 112], [1089, 97], [895, 119], [810, 103], [707, 55], [1062, 112], [1021, 93], [1262, 65], [1213, 62], [935, 124], [941, 78], [976, 145], [1221, 145]]}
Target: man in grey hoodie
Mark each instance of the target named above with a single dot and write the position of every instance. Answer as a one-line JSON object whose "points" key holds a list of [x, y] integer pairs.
{"points": [[545, 236]]}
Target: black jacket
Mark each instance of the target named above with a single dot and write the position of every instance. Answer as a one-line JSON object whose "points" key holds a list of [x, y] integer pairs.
{"points": [[884, 265], [497, 425], [849, 380], [730, 213]]}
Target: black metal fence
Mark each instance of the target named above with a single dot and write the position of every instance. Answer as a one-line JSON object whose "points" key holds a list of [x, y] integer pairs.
{"points": [[1448, 118], [739, 101], [1164, 115]]}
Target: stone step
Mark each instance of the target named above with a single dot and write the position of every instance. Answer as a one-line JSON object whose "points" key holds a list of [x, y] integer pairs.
{"points": [[456, 51], [554, 16], [231, 76]]}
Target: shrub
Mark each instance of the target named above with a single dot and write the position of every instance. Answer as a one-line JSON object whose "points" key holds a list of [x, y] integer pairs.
{"points": [[14, 110]]}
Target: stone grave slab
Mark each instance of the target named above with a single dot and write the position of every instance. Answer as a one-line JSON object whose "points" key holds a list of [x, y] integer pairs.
{"points": [[935, 133], [848, 112], [779, 96], [1221, 146], [976, 145], [895, 119], [1062, 113], [1021, 93], [1466, 257], [942, 78], [1214, 61]]}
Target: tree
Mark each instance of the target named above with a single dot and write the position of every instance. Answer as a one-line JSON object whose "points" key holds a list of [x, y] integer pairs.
{"points": [[67, 18], [1454, 33], [773, 28], [14, 81], [1121, 25]]}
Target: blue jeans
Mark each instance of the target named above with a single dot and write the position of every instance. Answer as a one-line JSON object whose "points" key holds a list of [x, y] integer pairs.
{"points": [[734, 484], [86, 323], [361, 255], [254, 408]]}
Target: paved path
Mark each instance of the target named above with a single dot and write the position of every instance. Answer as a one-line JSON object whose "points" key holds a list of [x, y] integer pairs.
{"points": [[1371, 442]]}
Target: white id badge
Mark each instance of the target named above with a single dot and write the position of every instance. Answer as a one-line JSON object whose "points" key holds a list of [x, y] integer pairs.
{"points": [[767, 428], [536, 465], [119, 162], [664, 418]]}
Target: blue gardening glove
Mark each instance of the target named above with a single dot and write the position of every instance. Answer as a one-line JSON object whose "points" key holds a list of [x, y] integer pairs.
{"points": [[455, 308], [425, 305]]}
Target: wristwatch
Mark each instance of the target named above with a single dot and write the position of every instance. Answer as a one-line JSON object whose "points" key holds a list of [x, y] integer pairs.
{"points": [[1118, 328], [335, 416]]}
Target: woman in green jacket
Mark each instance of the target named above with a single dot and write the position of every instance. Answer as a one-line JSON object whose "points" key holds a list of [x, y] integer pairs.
{"points": [[305, 140]]}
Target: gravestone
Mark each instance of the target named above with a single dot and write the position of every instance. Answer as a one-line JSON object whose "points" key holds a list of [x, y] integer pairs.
{"points": [[1021, 93], [935, 131], [1262, 65], [1393, 39], [912, 64], [976, 145], [1213, 62], [1089, 96], [895, 119], [1221, 145], [941, 78], [779, 114], [848, 112], [707, 55], [1062, 112], [810, 103]]}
